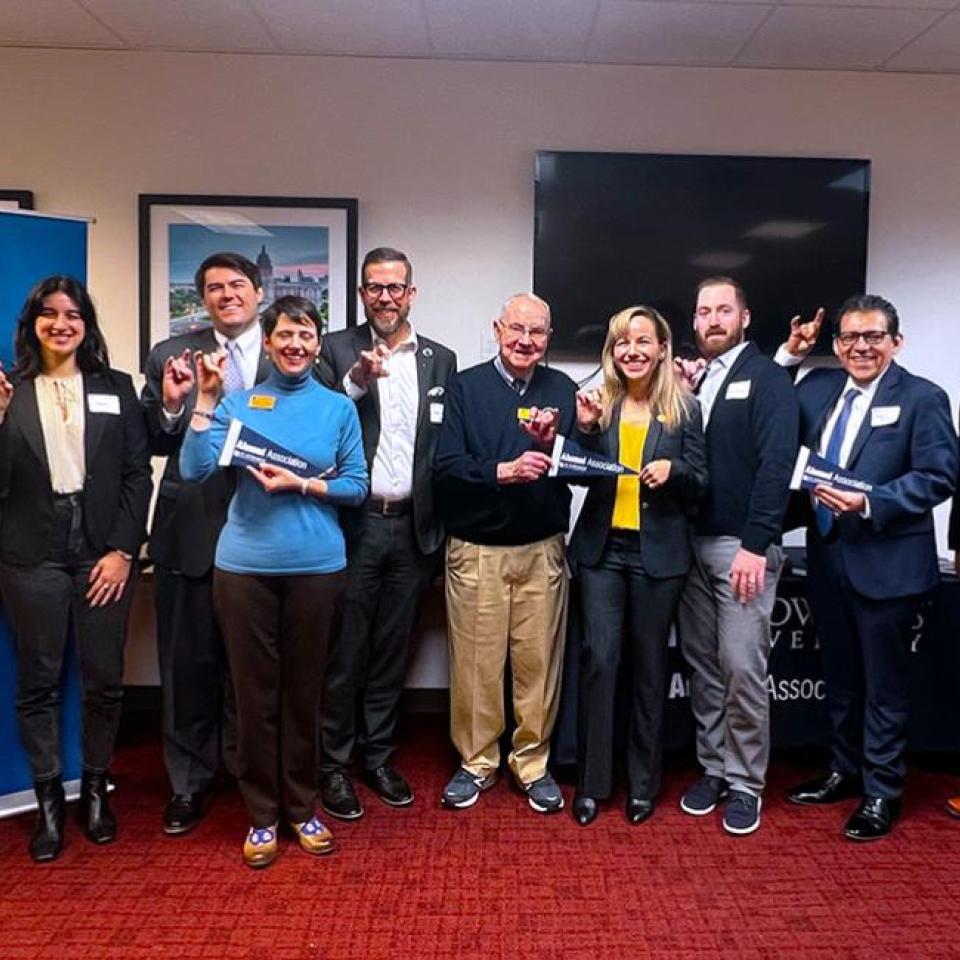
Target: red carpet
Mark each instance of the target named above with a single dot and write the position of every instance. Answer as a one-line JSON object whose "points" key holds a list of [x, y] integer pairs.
{"points": [[497, 881]]}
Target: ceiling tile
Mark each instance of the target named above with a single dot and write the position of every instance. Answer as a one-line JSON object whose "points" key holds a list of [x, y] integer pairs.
{"points": [[838, 38], [639, 31], [52, 23], [937, 49], [510, 29], [386, 28], [184, 24]]}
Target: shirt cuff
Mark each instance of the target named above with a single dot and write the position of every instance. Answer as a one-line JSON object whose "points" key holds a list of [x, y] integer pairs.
{"points": [[170, 419], [351, 389], [865, 512], [784, 358]]}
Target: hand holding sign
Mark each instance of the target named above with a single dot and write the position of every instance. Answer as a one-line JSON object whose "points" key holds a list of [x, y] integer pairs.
{"points": [[840, 501], [529, 466]]}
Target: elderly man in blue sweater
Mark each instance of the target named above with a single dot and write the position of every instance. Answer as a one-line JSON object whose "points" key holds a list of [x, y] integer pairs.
{"points": [[506, 586]]}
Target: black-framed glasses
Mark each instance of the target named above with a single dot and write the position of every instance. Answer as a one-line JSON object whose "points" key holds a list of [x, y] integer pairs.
{"points": [[872, 338], [375, 290]]}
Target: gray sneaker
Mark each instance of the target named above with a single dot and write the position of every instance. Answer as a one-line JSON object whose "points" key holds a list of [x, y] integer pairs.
{"points": [[465, 788], [703, 797], [544, 795], [742, 814]]}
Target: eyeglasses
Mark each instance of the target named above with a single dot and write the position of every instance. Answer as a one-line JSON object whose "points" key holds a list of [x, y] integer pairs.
{"points": [[375, 290], [518, 331], [872, 338]]}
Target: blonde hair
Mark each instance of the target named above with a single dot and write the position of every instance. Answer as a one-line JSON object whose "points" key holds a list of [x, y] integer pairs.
{"points": [[669, 397]]}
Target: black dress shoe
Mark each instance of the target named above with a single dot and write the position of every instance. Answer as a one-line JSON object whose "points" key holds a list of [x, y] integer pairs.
{"points": [[47, 840], [338, 797], [828, 789], [638, 810], [96, 819], [585, 809], [387, 783], [873, 819], [182, 813]]}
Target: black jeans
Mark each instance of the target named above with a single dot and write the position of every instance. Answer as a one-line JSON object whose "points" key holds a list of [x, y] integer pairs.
{"points": [[41, 602], [623, 607]]}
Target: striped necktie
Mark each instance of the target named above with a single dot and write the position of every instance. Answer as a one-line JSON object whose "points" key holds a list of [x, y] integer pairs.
{"points": [[233, 375]]}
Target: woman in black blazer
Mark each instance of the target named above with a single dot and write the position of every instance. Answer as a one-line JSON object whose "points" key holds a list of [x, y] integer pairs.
{"points": [[631, 550], [74, 492]]}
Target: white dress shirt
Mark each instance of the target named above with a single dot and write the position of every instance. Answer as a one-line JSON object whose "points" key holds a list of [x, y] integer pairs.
{"points": [[391, 475], [717, 370]]}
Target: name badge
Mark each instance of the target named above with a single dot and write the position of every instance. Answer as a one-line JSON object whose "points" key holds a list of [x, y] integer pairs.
{"points": [[103, 403], [738, 390], [884, 416], [436, 413], [261, 401]]}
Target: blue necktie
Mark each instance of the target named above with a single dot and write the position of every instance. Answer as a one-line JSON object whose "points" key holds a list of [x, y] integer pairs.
{"points": [[233, 375], [825, 518]]}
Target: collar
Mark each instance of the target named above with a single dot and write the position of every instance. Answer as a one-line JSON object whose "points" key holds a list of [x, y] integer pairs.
{"points": [[728, 359], [508, 377], [408, 343], [870, 390], [249, 341]]}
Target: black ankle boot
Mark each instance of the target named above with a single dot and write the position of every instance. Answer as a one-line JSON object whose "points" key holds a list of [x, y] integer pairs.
{"points": [[96, 818], [47, 840]]}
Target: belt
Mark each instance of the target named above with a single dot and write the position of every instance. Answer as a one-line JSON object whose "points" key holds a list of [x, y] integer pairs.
{"points": [[388, 508]]}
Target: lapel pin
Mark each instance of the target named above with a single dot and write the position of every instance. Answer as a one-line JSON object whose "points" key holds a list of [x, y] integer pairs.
{"points": [[428, 351]]}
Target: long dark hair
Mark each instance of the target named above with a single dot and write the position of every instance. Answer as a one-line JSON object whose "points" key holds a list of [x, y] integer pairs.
{"points": [[92, 354]]}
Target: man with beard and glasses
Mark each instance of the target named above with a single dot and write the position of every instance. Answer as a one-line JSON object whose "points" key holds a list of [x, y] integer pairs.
{"points": [[397, 378], [751, 421]]}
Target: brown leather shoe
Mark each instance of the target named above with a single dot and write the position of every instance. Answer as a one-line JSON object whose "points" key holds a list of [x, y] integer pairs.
{"points": [[953, 807], [260, 848], [315, 838]]}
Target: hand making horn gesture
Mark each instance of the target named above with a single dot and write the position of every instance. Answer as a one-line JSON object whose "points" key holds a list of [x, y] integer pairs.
{"points": [[589, 409], [804, 333], [178, 381], [6, 393]]}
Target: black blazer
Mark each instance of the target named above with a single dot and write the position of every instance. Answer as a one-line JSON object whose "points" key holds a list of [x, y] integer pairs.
{"points": [[436, 364], [188, 517], [666, 518], [117, 485]]}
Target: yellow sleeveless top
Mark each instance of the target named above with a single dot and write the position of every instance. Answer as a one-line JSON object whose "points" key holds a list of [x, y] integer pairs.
{"points": [[626, 507]]}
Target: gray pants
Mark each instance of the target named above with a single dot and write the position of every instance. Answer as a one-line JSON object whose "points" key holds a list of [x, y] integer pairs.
{"points": [[727, 645]]}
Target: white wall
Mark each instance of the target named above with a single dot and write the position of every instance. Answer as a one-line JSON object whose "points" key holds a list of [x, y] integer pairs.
{"points": [[440, 155]]}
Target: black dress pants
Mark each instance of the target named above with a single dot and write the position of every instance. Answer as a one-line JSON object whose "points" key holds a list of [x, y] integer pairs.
{"points": [[624, 610], [386, 577], [277, 630], [41, 601]]}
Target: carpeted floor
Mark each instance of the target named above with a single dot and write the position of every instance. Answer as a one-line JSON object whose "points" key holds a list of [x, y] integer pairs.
{"points": [[497, 881]]}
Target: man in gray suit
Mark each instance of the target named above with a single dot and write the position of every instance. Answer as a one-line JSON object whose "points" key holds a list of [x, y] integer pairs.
{"points": [[197, 698], [398, 380]]}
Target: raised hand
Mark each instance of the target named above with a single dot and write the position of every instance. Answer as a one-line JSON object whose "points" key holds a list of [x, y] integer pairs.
{"points": [[690, 371], [6, 393], [210, 369], [542, 424], [529, 466], [371, 366], [804, 333], [589, 409], [178, 381]]}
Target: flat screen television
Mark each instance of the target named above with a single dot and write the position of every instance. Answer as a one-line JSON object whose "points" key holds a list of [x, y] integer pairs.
{"points": [[617, 229]]}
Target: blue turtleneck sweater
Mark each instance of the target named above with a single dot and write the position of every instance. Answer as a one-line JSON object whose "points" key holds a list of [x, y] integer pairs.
{"points": [[284, 533]]}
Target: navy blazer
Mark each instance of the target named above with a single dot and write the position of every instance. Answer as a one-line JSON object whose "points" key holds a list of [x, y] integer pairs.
{"points": [[912, 463], [666, 512], [436, 364], [117, 485], [188, 517]]}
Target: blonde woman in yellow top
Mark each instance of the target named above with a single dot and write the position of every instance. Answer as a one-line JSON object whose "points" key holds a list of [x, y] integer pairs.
{"points": [[631, 550]]}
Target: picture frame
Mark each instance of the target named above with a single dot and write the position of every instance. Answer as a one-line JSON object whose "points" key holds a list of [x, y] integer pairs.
{"points": [[303, 245], [16, 199]]}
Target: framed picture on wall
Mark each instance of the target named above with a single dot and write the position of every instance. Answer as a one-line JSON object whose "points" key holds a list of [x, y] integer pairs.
{"points": [[16, 199], [305, 246]]}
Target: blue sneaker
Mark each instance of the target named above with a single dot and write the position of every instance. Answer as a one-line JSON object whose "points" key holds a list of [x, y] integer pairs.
{"points": [[465, 788], [742, 814], [544, 795], [703, 797]]}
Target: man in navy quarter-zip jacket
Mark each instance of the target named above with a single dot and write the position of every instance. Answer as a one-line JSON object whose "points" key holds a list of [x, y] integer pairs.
{"points": [[751, 423]]}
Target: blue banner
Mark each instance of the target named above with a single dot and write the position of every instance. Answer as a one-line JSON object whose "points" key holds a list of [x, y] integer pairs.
{"points": [[570, 459]]}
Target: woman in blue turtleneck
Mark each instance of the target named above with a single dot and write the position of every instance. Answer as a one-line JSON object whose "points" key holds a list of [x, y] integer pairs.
{"points": [[279, 566]]}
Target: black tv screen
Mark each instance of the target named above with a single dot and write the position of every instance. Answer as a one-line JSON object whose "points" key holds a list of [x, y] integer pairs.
{"points": [[617, 229]]}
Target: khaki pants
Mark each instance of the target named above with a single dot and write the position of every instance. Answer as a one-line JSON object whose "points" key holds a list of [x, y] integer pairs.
{"points": [[504, 600]]}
